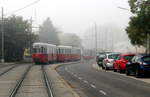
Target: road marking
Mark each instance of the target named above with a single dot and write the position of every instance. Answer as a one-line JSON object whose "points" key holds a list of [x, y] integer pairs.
{"points": [[66, 69], [85, 81], [93, 86], [79, 78], [101, 91], [75, 75]]}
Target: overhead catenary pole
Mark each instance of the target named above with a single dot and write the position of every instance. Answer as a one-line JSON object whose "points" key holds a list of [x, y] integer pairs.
{"points": [[95, 38], [148, 44], [30, 45], [2, 44]]}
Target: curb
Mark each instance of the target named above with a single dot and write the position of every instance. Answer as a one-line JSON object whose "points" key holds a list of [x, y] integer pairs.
{"points": [[60, 86]]}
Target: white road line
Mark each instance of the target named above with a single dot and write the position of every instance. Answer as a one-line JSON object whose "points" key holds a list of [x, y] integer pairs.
{"points": [[75, 75], [93, 86], [66, 69], [101, 91], [79, 78], [85, 81]]}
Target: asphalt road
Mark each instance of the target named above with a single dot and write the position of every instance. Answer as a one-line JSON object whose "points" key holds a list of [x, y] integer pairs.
{"points": [[89, 82]]}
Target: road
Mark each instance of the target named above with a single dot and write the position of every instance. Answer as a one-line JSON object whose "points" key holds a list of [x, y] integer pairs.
{"points": [[89, 82]]}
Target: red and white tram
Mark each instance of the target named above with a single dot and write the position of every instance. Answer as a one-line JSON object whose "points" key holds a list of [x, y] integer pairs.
{"points": [[76, 54], [44, 53], [48, 53], [64, 53]]}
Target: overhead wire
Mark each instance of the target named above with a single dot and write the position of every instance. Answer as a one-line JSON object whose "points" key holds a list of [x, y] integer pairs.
{"points": [[24, 7]]}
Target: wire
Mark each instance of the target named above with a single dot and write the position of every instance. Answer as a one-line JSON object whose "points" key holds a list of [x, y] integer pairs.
{"points": [[24, 7]]}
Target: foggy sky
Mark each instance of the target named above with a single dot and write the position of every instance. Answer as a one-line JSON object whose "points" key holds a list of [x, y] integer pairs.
{"points": [[72, 16], [75, 16]]}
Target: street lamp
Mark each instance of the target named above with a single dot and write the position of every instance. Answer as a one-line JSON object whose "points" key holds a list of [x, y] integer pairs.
{"points": [[2, 31], [127, 10], [123, 8]]}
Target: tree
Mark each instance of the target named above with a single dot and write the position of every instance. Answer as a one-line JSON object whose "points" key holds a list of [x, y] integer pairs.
{"points": [[139, 25], [48, 33], [17, 36], [70, 39]]}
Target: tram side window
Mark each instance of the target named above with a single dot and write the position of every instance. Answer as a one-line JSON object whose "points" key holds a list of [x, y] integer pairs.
{"points": [[34, 50], [43, 50]]}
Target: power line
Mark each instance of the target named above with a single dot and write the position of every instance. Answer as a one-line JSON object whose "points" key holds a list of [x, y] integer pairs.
{"points": [[24, 7]]}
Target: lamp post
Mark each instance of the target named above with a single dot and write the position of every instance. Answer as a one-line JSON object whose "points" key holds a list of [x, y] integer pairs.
{"points": [[2, 44]]}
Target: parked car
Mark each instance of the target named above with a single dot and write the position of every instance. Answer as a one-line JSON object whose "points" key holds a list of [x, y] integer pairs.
{"points": [[120, 64], [100, 57], [139, 65], [109, 60]]}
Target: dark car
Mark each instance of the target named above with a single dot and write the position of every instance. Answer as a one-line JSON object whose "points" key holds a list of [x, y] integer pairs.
{"points": [[139, 65], [100, 58]]}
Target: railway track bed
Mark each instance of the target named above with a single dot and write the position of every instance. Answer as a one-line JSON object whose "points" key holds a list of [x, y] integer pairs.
{"points": [[9, 79], [34, 83]]}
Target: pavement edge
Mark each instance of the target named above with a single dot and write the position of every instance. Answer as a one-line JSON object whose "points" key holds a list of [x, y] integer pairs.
{"points": [[59, 83]]}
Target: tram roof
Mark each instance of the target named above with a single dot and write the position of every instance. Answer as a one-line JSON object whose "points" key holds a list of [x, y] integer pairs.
{"points": [[43, 44]]}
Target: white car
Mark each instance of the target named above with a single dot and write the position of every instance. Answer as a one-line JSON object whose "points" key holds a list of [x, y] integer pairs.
{"points": [[108, 61]]}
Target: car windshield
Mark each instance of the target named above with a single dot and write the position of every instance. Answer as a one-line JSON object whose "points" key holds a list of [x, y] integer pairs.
{"points": [[113, 56], [128, 57], [146, 59]]}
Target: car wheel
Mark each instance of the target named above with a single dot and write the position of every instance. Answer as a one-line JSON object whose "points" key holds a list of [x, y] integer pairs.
{"points": [[120, 71], [127, 72], [103, 67], [106, 68], [137, 73], [114, 70]]}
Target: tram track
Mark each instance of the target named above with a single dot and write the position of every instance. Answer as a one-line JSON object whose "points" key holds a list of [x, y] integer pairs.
{"points": [[47, 83], [19, 83], [33, 83], [7, 69]]}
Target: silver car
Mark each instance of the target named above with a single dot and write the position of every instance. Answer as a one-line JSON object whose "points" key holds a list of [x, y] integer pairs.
{"points": [[109, 60]]}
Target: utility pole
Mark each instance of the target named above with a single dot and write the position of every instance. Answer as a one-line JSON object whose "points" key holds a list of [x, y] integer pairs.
{"points": [[30, 46], [2, 31], [96, 38], [106, 40], [148, 44]]}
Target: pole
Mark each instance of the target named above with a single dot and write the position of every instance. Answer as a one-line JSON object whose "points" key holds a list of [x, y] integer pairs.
{"points": [[96, 38], [147, 43], [2, 30], [106, 40], [30, 35]]}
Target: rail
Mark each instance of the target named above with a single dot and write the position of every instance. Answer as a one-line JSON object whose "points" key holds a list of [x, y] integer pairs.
{"points": [[7, 70], [14, 92], [47, 83]]}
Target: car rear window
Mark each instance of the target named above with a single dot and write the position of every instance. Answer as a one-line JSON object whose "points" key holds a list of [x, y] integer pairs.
{"points": [[146, 59], [128, 57], [114, 56], [102, 56]]}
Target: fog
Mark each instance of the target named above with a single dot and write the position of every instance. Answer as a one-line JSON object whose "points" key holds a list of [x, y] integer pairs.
{"points": [[79, 17]]}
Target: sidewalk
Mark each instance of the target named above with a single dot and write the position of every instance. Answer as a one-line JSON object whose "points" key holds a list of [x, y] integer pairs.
{"points": [[60, 87], [7, 63]]}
